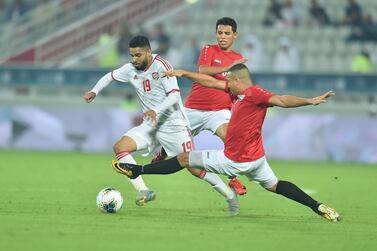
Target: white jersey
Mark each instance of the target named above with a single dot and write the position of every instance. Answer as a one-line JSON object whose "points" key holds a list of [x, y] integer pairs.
{"points": [[152, 90]]}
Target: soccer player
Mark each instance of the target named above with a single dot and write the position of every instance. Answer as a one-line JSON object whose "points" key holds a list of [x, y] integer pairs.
{"points": [[165, 122], [244, 152], [206, 108]]}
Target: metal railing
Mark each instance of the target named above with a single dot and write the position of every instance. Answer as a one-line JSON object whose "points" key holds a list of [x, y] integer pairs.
{"points": [[44, 20], [62, 34]]}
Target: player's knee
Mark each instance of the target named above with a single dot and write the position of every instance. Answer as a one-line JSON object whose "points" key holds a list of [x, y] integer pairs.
{"points": [[183, 159], [125, 144], [195, 172], [272, 188], [117, 147]]}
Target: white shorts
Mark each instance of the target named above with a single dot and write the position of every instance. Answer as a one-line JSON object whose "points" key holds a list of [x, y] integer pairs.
{"points": [[148, 138], [206, 120], [217, 162]]}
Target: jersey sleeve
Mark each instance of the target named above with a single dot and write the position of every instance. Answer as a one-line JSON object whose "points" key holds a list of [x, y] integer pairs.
{"points": [[122, 74], [170, 84], [206, 55], [261, 96]]}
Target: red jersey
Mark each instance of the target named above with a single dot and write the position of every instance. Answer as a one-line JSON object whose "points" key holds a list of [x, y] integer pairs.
{"points": [[243, 141], [203, 98]]}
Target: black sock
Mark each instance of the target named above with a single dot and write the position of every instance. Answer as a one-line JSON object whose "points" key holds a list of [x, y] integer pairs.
{"points": [[163, 152], [162, 167], [291, 191]]}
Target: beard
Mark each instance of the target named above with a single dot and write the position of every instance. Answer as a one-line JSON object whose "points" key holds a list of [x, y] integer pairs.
{"points": [[142, 66]]}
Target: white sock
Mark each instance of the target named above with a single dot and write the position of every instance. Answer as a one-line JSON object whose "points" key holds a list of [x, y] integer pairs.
{"points": [[218, 184], [138, 183]]}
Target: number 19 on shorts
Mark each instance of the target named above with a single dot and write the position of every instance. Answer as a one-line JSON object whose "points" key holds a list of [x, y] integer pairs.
{"points": [[187, 146]]}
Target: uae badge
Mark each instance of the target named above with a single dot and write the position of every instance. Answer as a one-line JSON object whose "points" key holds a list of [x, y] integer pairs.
{"points": [[155, 75]]}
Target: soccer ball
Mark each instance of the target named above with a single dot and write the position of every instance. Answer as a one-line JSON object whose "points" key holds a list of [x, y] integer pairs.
{"points": [[109, 200]]}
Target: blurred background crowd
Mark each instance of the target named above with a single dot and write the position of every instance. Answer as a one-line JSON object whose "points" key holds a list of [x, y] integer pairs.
{"points": [[53, 50], [278, 35]]}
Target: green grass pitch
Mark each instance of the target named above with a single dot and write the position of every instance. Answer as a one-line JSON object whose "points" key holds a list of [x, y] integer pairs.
{"points": [[48, 203]]}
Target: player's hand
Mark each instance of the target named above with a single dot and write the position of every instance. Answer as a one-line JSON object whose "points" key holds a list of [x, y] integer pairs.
{"points": [[89, 96], [173, 73], [322, 99], [151, 116]]}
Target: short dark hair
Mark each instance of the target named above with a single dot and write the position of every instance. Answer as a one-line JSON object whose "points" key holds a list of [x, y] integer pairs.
{"points": [[139, 41], [240, 70], [238, 67], [227, 21]]}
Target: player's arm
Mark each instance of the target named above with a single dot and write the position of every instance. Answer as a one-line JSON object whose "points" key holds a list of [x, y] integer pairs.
{"points": [[287, 101], [102, 83], [172, 97], [202, 79], [207, 54], [212, 70], [122, 74]]}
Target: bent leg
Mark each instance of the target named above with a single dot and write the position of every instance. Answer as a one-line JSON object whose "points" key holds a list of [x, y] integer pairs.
{"points": [[126, 143], [197, 162], [183, 161], [234, 183], [123, 149], [175, 164], [133, 171], [183, 142]]}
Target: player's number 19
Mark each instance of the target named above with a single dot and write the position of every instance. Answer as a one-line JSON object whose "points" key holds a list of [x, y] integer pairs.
{"points": [[187, 146], [147, 85]]}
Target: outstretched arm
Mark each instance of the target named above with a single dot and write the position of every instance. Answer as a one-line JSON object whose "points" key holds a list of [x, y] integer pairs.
{"points": [[212, 70], [202, 79], [287, 101], [102, 83]]}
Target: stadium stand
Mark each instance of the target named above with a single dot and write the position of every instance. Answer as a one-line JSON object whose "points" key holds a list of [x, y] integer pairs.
{"points": [[322, 48], [48, 63], [68, 39], [74, 26]]}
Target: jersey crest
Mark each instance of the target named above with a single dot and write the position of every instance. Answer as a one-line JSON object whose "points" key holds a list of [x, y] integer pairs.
{"points": [[155, 75]]}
